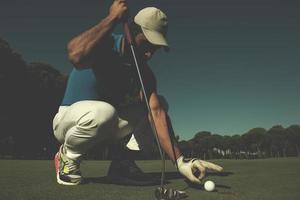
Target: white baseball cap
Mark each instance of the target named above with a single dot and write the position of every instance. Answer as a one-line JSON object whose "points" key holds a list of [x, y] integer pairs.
{"points": [[154, 25]]}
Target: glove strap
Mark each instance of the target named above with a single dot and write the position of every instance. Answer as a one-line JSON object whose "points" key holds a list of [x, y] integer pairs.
{"points": [[179, 161]]}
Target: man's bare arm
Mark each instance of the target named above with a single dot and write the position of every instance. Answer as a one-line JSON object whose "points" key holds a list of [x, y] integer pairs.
{"points": [[160, 121], [159, 114], [81, 49]]}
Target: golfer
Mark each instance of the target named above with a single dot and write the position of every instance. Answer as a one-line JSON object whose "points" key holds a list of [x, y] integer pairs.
{"points": [[103, 100]]}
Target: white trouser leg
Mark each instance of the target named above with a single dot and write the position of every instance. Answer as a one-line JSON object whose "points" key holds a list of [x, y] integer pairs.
{"points": [[85, 123], [133, 144]]}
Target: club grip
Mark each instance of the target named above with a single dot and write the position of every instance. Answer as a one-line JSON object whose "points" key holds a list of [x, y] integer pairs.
{"points": [[127, 32]]}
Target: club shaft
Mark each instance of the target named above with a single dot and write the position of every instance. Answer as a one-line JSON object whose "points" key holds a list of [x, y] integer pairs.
{"points": [[151, 117]]}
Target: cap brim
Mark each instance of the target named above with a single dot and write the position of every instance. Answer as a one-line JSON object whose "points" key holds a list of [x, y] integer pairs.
{"points": [[155, 37]]}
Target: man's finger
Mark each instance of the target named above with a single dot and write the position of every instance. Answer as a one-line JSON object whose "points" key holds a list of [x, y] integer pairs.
{"points": [[211, 166], [201, 168], [188, 173], [194, 179]]}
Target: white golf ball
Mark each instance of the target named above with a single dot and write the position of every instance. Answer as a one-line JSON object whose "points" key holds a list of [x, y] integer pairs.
{"points": [[209, 186]]}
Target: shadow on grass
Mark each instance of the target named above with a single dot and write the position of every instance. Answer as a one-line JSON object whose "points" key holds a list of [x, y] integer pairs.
{"points": [[201, 187], [152, 180], [219, 173]]}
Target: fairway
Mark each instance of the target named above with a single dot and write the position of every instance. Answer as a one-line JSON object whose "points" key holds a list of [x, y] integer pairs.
{"points": [[265, 179]]}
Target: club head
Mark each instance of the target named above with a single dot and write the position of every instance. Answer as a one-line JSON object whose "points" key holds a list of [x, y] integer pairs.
{"points": [[169, 194]]}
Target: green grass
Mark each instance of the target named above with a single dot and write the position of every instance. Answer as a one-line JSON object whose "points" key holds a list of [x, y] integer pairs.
{"points": [[266, 179]]}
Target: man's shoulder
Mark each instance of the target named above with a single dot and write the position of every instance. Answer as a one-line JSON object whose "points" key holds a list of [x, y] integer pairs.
{"points": [[147, 69], [149, 77]]}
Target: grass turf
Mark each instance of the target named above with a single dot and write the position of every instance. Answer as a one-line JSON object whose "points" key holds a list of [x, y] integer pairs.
{"points": [[264, 179]]}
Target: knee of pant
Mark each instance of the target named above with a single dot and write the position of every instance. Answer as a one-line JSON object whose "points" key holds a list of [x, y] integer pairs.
{"points": [[98, 115]]}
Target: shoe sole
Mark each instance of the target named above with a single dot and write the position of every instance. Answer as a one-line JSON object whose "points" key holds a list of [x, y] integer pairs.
{"points": [[59, 181]]}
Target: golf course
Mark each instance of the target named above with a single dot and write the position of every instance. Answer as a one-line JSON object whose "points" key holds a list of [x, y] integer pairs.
{"points": [[261, 179]]}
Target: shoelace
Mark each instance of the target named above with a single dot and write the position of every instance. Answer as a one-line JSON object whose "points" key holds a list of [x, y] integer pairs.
{"points": [[72, 165]]}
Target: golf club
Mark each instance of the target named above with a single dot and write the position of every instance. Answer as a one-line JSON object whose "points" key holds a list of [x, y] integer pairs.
{"points": [[161, 193], [129, 40]]}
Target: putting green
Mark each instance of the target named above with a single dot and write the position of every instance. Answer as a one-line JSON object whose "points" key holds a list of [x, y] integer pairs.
{"points": [[265, 179]]}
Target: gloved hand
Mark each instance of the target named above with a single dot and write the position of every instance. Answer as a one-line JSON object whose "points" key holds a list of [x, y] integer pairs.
{"points": [[187, 167]]}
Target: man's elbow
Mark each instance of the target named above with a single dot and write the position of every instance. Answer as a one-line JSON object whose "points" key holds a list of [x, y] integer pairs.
{"points": [[75, 60], [75, 57]]}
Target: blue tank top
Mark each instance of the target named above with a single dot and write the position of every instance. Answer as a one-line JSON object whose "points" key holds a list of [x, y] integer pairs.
{"points": [[115, 83]]}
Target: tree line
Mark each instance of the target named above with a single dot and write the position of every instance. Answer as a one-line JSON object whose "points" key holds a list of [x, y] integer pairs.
{"points": [[256, 143], [31, 94]]}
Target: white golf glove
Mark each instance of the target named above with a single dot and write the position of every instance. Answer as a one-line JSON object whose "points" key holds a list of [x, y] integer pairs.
{"points": [[187, 167]]}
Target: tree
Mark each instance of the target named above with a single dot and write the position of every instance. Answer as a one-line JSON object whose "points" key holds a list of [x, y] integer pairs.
{"points": [[276, 138], [236, 146], [46, 87], [293, 132], [185, 148], [13, 76], [30, 97], [253, 141], [201, 144]]}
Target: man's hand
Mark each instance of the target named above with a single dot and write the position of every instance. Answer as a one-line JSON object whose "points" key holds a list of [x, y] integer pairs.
{"points": [[118, 10], [187, 167]]}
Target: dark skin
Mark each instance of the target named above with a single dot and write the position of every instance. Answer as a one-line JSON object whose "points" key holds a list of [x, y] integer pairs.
{"points": [[84, 51]]}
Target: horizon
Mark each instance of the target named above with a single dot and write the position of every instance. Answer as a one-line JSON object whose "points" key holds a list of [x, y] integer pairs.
{"points": [[236, 67]]}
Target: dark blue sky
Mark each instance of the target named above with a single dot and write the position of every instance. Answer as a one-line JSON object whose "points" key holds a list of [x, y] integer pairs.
{"points": [[233, 65]]}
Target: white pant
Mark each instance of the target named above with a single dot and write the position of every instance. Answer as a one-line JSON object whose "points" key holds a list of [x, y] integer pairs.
{"points": [[86, 123]]}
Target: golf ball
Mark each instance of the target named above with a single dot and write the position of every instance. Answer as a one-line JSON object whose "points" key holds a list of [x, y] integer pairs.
{"points": [[209, 186]]}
